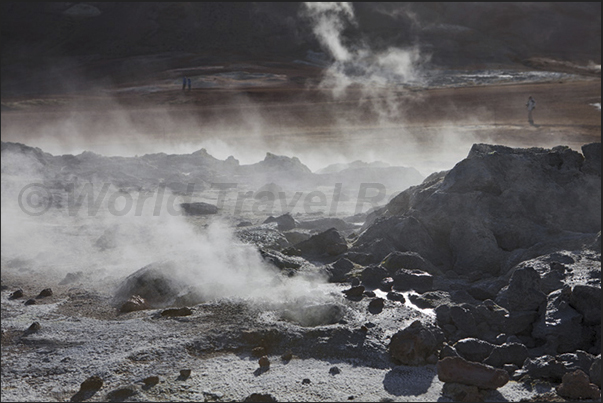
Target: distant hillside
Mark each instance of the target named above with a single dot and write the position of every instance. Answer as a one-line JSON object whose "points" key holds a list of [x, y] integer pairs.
{"points": [[50, 38]]}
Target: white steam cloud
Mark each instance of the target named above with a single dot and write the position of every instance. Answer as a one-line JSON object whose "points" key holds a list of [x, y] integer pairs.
{"points": [[357, 63]]}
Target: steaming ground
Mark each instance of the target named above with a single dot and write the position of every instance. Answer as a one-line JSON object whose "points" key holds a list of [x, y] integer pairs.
{"points": [[246, 301], [429, 128]]}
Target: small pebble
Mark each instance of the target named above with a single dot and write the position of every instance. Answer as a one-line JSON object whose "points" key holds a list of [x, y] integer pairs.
{"points": [[264, 362], [185, 373], [30, 302], [91, 383], [151, 380], [34, 327], [306, 381], [16, 294], [46, 292], [334, 371]]}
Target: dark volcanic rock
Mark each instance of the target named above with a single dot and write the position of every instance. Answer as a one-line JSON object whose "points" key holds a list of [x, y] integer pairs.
{"points": [[338, 272], [459, 370], [173, 312], [281, 260], [497, 201], [260, 397], [418, 344], [134, 303], [330, 242], [355, 292], [408, 260], [464, 320], [417, 280], [507, 353], [151, 380], [473, 349], [586, 300], [376, 305], [560, 325], [88, 388], [578, 360], [154, 283], [373, 274], [592, 159], [46, 292], [396, 296], [199, 208], [264, 362], [462, 393], [33, 328], [16, 294], [284, 222], [523, 292], [119, 395], [576, 385], [386, 284], [546, 367]]}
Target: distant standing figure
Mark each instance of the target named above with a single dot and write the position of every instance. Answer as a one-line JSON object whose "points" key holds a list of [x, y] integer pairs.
{"points": [[531, 104], [183, 83], [189, 83]]}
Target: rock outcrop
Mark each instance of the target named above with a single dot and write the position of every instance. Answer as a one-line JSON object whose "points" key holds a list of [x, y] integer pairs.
{"points": [[496, 203]]}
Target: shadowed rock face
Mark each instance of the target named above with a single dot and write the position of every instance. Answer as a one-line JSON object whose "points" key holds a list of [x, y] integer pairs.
{"points": [[417, 344], [576, 385], [496, 201]]}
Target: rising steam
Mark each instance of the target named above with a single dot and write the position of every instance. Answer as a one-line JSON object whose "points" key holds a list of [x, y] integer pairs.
{"points": [[357, 63]]}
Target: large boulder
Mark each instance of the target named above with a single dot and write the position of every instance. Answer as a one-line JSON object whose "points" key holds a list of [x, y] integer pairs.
{"points": [[586, 300], [373, 274], [473, 349], [283, 222], [330, 242], [507, 353], [418, 344], [199, 208], [576, 386], [523, 292], [462, 317], [545, 367], [496, 203], [459, 370], [339, 271], [416, 280], [156, 284]]}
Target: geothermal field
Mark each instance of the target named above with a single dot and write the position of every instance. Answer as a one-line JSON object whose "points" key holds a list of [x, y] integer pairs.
{"points": [[301, 202]]}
